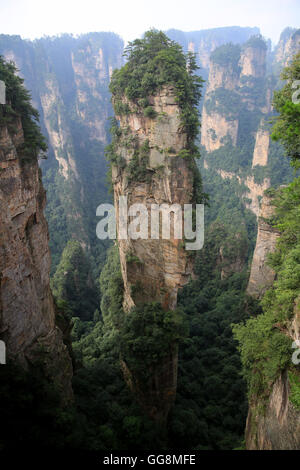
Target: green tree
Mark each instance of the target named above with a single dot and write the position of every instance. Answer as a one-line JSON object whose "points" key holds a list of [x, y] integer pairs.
{"points": [[286, 102], [265, 349], [18, 105], [72, 282]]}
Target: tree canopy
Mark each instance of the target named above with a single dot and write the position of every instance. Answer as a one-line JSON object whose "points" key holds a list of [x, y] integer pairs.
{"points": [[18, 104], [287, 104], [153, 62]]}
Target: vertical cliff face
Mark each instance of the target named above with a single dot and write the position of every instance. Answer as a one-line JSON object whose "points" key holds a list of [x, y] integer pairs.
{"points": [[287, 47], [261, 149], [154, 270], [278, 427], [218, 123], [233, 74], [152, 158], [273, 421], [57, 128], [204, 42], [69, 80], [27, 312], [262, 276], [253, 62], [236, 107], [164, 264]]}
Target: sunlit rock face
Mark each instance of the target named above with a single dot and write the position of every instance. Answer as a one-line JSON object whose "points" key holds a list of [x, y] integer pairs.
{"points": [[27, 312], [261, 149], [262, 276], [154, 270], [236, 78], [68, 79]]}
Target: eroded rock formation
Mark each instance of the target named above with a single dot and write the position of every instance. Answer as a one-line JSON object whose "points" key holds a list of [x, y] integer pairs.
{"points": [[262, 276], [255, 191], [230, 82], [27, 311], [278, 427], [272, 424], [68, 78], [287, 47], [153, 270], [261, 149]]}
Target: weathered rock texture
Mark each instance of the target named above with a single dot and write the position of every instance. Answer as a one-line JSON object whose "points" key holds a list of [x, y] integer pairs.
{"points": [[232, 93], [239, 79], [276, 424], [253, 62], [215, 128], [288, 46], [154, 270], [278, 427], [27, 312], [235, 261], [204, 42], [69, 79], [262, 276], [254, 192], [261, 149]]}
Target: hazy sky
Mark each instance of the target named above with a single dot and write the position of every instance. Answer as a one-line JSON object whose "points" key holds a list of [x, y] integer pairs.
{"points": [[130, 18]]}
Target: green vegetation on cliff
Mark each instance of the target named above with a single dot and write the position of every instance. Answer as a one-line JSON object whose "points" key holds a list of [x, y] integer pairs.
{"points": [[266, 349], [72, 282], [18, 105], [257, 42], [227, 55], [152, 63], [287, 104]]}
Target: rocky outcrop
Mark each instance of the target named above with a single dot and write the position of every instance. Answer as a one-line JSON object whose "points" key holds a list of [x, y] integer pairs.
{"points": [[262, 276], [69, 78], [153, 270], [165, 266], [204, 42], [275, 425], [215, 128], [215, 125], [27, 312], [254, 192], [221, 76], [236, 74], [232, 76], [58, 129], [288, 46], [278, 427], [253, 62], [261, 149], [233, 256]]}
